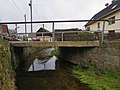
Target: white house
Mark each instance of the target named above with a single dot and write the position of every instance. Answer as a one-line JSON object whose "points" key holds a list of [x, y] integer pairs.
{"points": [[110, 13]]}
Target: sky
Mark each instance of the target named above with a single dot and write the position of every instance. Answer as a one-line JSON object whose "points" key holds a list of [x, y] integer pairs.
{"points": [[14, 10]]}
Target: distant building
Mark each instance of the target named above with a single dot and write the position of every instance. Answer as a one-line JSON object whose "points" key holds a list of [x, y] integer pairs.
{"points": [[43, 35], [66, 34]]}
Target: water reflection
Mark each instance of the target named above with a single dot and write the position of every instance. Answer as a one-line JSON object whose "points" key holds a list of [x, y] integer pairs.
{"points": [[43, 64]]}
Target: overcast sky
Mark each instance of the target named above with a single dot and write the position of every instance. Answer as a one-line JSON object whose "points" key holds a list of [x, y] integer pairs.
{"points": [[51, 10]]}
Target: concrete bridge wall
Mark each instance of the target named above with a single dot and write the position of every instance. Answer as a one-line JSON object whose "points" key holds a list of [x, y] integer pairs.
{"points": [[57, 44], [105, 57], [23, 53], [22, 57]]}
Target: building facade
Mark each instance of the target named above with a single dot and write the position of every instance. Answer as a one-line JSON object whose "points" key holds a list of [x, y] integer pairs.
{"points": [[110, 13], [43, 35]]}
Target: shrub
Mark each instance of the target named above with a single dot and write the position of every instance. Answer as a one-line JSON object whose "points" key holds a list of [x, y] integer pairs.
{"points": [[85, 36], [53, 53]]}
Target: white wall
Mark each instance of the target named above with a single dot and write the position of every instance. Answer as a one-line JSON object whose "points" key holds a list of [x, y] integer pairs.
{"points": [[114, 26]]}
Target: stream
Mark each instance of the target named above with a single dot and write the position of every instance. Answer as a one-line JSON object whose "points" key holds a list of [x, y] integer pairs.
{"points": [[48, 74]]}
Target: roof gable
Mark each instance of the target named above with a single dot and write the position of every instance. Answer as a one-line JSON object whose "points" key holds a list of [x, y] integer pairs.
{"points": [[42, 30], [106, 11]]}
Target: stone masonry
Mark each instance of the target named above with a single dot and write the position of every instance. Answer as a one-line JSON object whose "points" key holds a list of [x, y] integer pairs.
{"points": [[105, 57]]}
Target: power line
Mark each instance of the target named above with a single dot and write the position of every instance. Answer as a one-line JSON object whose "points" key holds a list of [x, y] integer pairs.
{"points": [[17, 7]]}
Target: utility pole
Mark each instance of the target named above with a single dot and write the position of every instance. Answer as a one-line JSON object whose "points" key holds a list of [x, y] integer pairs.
{"points": [[25, 26], [30, 4]]}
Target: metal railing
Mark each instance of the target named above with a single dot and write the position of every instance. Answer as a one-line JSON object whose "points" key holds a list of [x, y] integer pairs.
{"points": [[61, 35], [53, 33]]}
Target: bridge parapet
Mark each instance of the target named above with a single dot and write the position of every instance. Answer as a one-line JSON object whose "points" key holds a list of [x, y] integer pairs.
{"points": [[59, 44]]}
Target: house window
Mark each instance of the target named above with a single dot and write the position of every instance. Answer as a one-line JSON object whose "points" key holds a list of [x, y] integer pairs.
{"points": [[111, 20], [98, 25]]}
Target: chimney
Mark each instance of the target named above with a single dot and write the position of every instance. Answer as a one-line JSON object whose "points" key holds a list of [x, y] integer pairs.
{"points": [[107, 4]]}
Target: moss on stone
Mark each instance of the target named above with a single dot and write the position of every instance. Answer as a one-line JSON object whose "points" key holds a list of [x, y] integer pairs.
{"points": [[6, 73]]}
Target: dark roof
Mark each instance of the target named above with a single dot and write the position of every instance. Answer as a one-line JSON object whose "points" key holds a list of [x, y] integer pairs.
{"points": [[106, 11], [43, 30]]}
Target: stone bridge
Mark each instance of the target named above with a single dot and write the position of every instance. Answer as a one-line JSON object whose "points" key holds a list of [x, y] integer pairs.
{"points": [[84, 53], [23, 51]]}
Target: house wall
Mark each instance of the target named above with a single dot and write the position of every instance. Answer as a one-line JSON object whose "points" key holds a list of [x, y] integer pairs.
{"points": [[45, 38], [114, 26], [31, 35]]}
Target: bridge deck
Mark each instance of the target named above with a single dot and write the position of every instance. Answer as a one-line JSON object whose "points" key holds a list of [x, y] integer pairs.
{"points": [[59, 44]]}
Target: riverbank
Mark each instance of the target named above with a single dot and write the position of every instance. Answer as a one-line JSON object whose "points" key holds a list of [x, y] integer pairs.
{"points": [[97, 80], [7, 80]]}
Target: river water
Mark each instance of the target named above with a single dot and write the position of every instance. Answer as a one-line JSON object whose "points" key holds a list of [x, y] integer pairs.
{"points": [[50, 74]]}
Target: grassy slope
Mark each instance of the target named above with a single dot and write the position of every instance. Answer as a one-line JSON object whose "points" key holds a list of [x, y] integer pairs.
{"points": [[106, 81]]}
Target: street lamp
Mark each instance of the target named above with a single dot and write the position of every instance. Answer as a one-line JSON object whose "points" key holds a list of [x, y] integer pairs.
{"points": [[30, 4]]}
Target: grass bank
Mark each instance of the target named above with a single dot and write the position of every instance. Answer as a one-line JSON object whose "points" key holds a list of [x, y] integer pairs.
{"points": [[98, 81]]}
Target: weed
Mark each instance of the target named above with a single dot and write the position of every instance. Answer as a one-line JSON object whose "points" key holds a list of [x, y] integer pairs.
{"points": [[53, 53]]}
